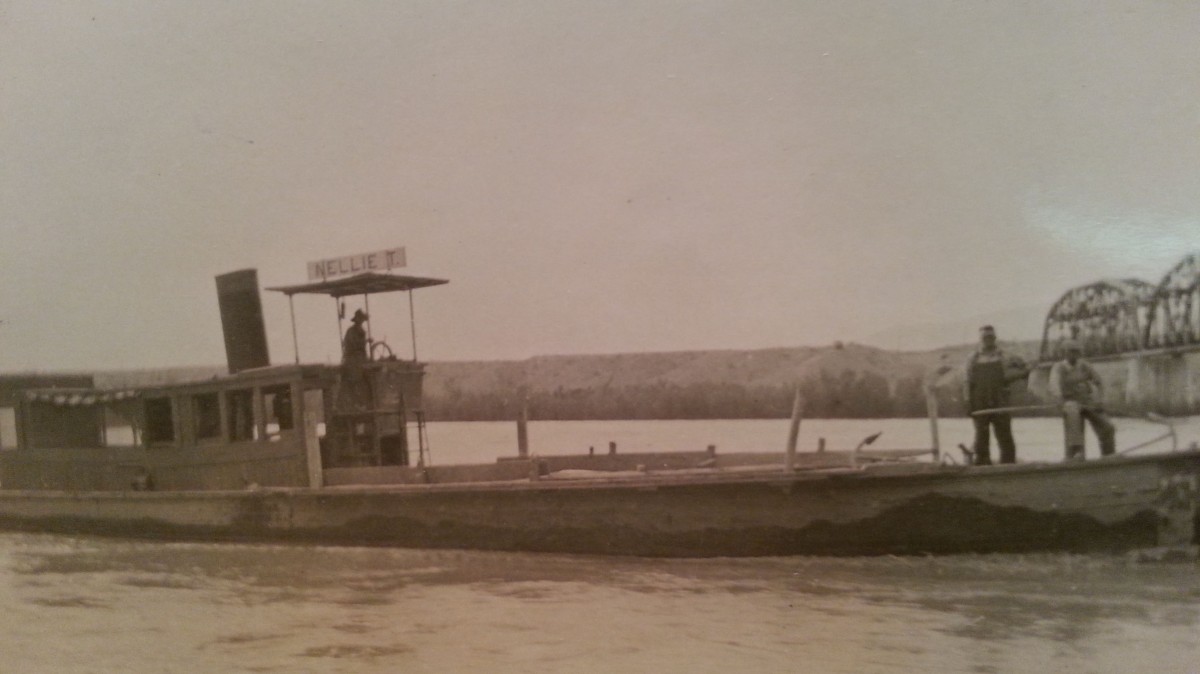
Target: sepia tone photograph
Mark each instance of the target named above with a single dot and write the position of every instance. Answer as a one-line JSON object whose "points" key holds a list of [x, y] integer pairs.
{"points": [[379, 336]]}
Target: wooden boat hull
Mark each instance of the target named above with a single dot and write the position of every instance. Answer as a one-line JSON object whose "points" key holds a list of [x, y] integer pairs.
{"points": [[1112, 504]]}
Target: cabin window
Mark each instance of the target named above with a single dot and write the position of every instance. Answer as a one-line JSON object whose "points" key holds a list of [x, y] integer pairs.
{"points": [[277, 400], [206, 411], [241, 415], [160, 421], [8, 428], [120, 427]]}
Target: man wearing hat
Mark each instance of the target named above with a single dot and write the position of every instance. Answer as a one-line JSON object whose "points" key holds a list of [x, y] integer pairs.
{"points": [[989, 372], [354, 391], [354, 345], [1075, 382]]}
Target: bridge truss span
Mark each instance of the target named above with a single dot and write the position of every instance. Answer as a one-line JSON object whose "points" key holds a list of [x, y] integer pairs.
{"points": [[1106, 317], [1174, 313]]}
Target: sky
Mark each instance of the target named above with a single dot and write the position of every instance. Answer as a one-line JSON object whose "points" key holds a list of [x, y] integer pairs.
{"points": [[592, 177]]}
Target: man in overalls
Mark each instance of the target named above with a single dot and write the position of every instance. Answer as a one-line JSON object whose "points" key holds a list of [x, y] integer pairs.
{"points": [[1075, 382], [990, 370]]}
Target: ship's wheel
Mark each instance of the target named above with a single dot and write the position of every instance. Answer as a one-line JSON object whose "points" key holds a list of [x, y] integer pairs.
{"points": [[381, 346]]}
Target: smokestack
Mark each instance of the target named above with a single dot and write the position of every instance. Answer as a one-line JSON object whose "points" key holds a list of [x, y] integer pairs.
{"points": [[242, 320]]}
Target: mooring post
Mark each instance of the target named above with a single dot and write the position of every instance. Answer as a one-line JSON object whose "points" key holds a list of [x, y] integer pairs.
{"points": [[523, 430], [794, 431], [931, 406], [820, 444], [612, 448]]}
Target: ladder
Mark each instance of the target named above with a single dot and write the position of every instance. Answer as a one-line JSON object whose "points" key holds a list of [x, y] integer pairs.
{"points": [[423, 456]]}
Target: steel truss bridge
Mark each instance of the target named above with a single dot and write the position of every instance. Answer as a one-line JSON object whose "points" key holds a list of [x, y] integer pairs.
{"points": [[1120, 316]]}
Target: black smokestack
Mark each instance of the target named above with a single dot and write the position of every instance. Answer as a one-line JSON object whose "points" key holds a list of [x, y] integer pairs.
{"points": [[242, 320]]}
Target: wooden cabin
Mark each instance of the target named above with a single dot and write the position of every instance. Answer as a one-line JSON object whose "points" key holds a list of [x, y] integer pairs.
{"points": [[273, 426], [261, 425]]}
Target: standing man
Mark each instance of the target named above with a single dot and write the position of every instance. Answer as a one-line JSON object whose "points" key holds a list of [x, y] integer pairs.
{"points": [[354, 392], [990, 370], [354, 345], [1075, 383]]}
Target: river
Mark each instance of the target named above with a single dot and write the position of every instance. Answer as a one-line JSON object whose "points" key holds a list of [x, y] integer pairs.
{"points": [[81, 604]]}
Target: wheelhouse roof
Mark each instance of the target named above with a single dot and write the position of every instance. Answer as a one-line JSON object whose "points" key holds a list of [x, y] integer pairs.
{"points": [[361, 284]]}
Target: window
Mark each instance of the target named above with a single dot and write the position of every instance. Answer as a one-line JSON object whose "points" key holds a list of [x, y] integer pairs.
{"points": [[206, 411], [160, 421], [8, 428], [277, 400], [241, 415]]}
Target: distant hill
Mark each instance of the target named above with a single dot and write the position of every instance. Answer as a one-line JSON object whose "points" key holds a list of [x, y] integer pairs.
{"points": [[850, 380], [840, 380]]}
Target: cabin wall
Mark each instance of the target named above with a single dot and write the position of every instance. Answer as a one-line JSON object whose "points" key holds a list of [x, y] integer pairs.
{"points": [[12, 391], [232, 433], [279, 463], [54, 426]]}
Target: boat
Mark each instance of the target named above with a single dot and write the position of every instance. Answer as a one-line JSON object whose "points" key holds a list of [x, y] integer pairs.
{"points": [[338, 455]]}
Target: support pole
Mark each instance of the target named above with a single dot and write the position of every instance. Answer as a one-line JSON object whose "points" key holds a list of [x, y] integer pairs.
{"points": [[931, 406], [367, 308], [523, 431], [794, 431], [412, 322], [337, 309], [295, 339]]}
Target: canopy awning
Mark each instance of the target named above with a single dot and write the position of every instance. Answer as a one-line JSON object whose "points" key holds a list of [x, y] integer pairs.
{"points": [[79, 397], [361, 284]]}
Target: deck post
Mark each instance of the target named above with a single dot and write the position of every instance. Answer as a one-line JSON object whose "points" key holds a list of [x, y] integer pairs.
{"points": [[310, 404], [412, 324], [794, 431], [367, 308], [339, 309], [523, 430], [931, 406], [295, 339]]}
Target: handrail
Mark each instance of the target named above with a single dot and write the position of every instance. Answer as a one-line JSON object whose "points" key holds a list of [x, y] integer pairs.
{"points": [[1116, 411]]}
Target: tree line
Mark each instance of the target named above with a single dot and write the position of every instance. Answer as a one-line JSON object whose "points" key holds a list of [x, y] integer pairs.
{"points": [[845, 395]]}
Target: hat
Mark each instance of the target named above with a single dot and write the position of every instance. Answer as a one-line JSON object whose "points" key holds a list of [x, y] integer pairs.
{"points": [[987, 328], [360, 316]]}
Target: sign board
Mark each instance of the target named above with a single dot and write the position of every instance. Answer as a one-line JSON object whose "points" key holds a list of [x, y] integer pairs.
{"points": [[380, 260]]}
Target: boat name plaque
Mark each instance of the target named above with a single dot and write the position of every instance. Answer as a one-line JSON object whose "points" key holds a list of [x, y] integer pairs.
{"points": [[380, 260]]}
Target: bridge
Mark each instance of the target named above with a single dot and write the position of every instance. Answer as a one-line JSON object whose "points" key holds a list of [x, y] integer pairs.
{"points": [[1143, 338]]}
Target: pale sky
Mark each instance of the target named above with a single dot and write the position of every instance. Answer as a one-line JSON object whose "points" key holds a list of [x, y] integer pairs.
{"points": [[592, 177]]}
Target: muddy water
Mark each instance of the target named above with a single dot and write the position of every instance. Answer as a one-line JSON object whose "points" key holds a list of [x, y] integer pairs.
{"points": [[95, 605]]}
